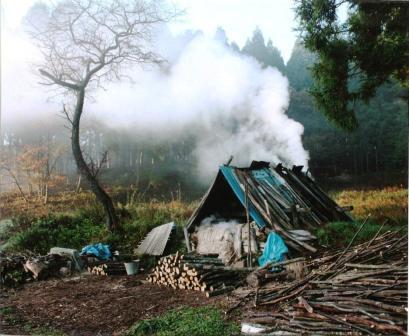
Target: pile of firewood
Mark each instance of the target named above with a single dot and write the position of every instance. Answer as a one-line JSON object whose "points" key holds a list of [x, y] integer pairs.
{"points": [[19, 269], [12, 270], [195, 272], [362, 289], [108, 268]]}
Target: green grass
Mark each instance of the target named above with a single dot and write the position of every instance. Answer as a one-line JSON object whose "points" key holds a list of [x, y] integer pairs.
{"points": [[186, 321], [338, 234], [9, 316], [42, 331]]}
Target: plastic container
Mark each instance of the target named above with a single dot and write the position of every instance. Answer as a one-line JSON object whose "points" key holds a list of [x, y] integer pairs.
{"points": [[132, 267]]}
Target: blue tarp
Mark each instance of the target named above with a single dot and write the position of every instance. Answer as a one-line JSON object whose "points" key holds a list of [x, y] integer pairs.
{"points": [[261, 175], [274, 249], [101, 251]]}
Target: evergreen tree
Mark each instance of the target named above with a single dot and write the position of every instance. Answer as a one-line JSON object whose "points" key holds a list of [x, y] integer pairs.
{"points": [[378, 144], [266, 55], [367, 49], [255, 46], [274, 58], [234, 46], [221, 35], [299, 65]]}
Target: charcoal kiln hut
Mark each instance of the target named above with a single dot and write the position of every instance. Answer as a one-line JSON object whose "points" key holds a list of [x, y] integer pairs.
{"points": [[286, 201]]}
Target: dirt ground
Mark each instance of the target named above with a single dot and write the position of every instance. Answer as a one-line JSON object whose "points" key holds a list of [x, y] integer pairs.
{"points": [[91, 305]]}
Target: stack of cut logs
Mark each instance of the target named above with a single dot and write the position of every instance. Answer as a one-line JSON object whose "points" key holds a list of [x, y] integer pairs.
{"points": [[108, 268], [198, 273]]}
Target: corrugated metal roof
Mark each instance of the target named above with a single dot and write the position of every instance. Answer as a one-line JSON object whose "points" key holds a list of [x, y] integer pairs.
{"points": [[156, 240]]}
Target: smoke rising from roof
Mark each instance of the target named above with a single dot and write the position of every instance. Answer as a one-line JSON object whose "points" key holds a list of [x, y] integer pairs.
{"points": [[225, 100]]}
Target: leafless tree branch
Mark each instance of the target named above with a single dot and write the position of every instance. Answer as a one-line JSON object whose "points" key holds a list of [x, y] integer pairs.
{"points": [[89, 41], [66, 114]]}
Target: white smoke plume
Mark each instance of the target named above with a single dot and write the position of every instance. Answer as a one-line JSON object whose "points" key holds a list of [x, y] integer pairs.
{"points": [[226, 101]]}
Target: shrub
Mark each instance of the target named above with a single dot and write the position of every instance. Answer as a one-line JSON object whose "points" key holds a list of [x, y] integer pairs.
{"points": [[53, 230], [186, 322]]}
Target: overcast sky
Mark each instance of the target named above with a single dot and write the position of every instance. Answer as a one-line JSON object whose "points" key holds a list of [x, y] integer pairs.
{"points": [[239, 18]]}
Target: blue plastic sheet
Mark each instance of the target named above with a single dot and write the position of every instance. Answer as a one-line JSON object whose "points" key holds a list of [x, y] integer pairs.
{"points": [[274, 250], [101, 251]]}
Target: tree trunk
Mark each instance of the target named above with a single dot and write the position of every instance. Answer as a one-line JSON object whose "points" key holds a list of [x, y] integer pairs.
{"points": [[77, 188], [376, 159], [46, 193], [102, 196], [19, 187]]}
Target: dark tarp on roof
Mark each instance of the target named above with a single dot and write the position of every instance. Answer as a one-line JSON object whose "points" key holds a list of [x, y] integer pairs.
{"points": [[280, 198]]}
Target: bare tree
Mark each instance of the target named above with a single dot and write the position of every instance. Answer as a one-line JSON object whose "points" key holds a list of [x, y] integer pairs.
{"points": [[87, 42]]}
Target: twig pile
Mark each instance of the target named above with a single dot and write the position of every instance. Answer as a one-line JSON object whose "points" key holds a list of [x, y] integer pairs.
{"points": [[361, 290], [194, 272], [108, 268]]}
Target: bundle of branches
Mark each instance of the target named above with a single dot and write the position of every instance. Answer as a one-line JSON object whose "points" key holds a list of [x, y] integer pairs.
{"points": [[389, 247], [108, 268], [361, 289], [196, 272]]}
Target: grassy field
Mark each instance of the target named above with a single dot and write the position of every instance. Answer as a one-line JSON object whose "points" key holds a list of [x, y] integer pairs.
{"points": [[388, 203]]}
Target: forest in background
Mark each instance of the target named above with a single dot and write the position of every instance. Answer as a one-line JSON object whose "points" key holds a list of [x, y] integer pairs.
{"points": [[39, 159]]}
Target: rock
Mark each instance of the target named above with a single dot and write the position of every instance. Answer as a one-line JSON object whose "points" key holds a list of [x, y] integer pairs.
{"points": [[65, 271]]}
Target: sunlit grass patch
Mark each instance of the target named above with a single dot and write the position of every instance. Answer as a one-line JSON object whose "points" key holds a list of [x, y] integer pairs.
{"points": [[187, 321], [388, 203]]}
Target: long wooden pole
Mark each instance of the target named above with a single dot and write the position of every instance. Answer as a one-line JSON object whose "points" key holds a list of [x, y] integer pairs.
{"points": [[249, 255]]}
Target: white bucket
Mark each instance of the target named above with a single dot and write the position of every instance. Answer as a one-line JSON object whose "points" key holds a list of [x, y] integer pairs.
{"points": [[132, 267]]}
